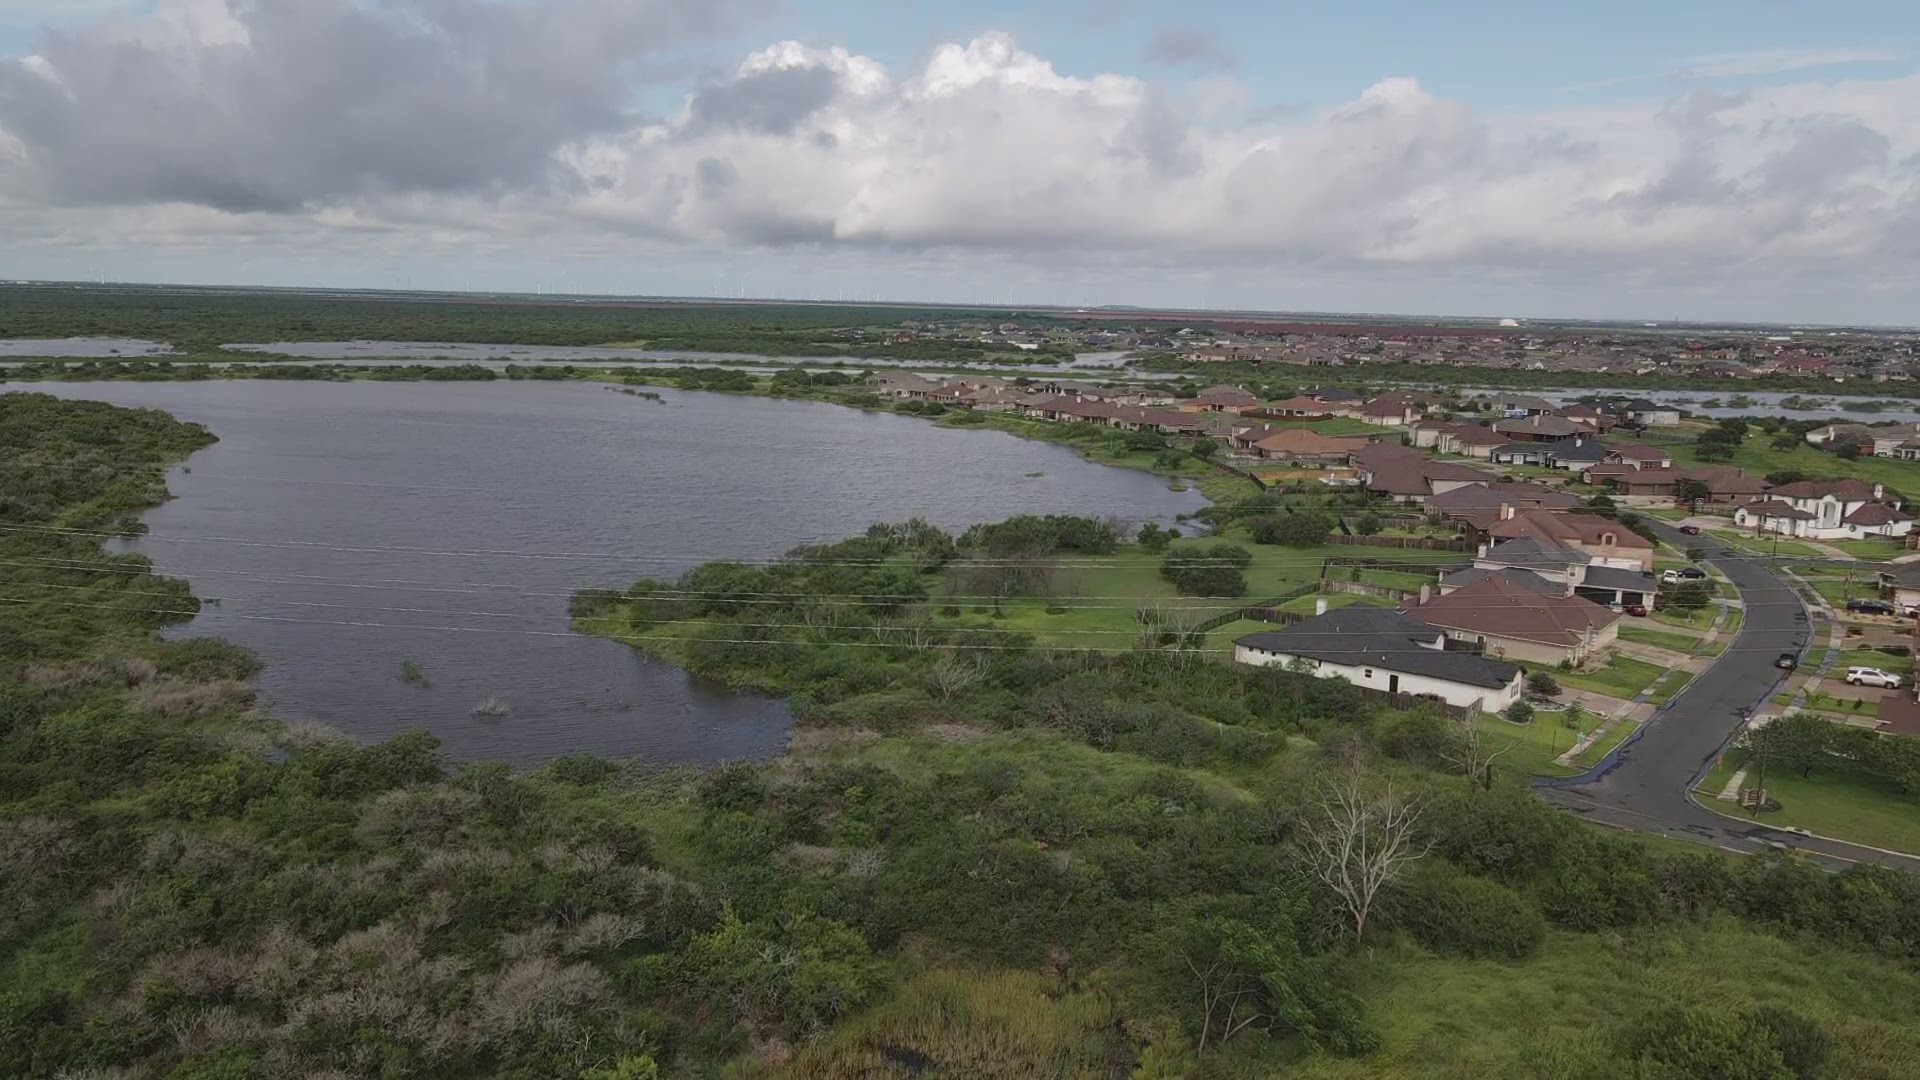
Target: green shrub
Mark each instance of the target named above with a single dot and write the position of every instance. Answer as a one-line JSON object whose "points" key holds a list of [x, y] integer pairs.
{"points": [[1450, 912]]}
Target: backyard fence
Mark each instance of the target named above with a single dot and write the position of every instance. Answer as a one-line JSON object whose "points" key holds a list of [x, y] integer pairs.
{"points": [[1364, 588], [1271, 603], [1420, 543]]}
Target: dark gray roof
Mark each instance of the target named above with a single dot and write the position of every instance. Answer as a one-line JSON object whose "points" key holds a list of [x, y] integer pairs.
{"points": [[1579, 450], [1907, 574], [1641, 404], [1382, 638], [1523, 579], [1331, 393], [1530, 552], [1612, 577], [1522, 449]]}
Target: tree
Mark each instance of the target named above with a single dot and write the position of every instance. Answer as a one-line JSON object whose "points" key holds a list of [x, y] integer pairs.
{"points": [[1714, 446], [1367, 525], [1692, 491], [1207, 570], [1798, 741], [1848, 452], [1467, 747], [1695, 553], [953, 673], [1688, 596], [1307, 529], [1206, 449], [1543, 682], [1359, 842], [1520, 713], [1787, 440], [1154, 538]]}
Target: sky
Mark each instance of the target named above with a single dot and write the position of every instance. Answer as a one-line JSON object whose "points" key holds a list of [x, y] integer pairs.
{"points": [[1756, 161]]}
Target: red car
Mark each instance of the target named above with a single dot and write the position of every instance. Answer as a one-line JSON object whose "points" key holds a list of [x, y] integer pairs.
{"points": [[1635, 609], [1690, 530]]}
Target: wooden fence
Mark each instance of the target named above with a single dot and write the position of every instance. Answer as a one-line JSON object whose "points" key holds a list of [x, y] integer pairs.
{"points": [[1421, 543], [1364, 588]]}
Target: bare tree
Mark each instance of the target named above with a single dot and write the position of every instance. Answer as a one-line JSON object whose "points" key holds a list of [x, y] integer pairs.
{"points": [[1468, 748], [1358, 842], [953, 673]]}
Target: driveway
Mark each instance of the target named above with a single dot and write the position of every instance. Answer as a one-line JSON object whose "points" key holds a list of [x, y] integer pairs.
{"points": [[1645, 785]]}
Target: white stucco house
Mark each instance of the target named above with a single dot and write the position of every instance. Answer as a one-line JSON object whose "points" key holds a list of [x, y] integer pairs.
{"points": [[1383, 650], [1826, 510]]}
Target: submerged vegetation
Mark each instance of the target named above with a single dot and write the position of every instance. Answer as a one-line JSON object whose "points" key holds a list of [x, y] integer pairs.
{"points": [[980, 859]]}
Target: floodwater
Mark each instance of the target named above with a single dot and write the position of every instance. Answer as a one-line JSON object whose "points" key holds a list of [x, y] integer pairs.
{"points": [[477, 352], [96, 348], [344, 528]]}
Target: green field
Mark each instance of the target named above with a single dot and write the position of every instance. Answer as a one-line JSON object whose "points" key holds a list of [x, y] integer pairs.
{"points": [[1534, 746], [1663, 639], [1765, 545], [1843, 805], [1873, 550], [1623, 677], [1097, 599], [1759, 458], [1700, 619]]}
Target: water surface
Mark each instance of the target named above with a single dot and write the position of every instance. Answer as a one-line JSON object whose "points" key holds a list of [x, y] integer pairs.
{"points": [[346, 527]]}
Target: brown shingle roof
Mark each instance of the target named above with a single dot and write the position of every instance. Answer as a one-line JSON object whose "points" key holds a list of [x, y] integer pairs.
{"points": [[1773, 508], [1497, 608], [1569, 528], [1312, 443], [1848, 490]]}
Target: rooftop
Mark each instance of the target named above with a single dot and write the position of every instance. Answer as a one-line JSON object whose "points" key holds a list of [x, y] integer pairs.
{"points": [[1382, 638]]}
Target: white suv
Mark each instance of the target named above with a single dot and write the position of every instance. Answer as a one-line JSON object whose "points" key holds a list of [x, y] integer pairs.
{"points": [[1868, 676]]}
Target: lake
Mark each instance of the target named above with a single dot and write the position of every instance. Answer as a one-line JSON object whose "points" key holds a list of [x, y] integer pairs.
{"points": [[347, 527], [83, 347]]}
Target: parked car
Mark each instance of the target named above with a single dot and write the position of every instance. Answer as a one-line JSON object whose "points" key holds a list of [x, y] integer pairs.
{"points": [[1872, 676], [1670, 577], [1870, 607], [1787, 660], [1635, 609], [1693, 573], [1690, 530]]}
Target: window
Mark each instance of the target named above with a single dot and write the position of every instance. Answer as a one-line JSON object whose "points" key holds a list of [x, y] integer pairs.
{"points": [[1608, 540], [1369, 673]]}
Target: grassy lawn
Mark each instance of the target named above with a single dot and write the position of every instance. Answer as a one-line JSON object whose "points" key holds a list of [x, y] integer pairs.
{"points": [[1759, 458], [1869, 549], [1873, 658], [1591, 755], [1843, 805], [1347, 426], [1662, 639], [1397, 579], [1693, 620], [1766, 545], [1671, 687], [1535, 745], [1664, 513], [1098, 598], [1623, 677]]}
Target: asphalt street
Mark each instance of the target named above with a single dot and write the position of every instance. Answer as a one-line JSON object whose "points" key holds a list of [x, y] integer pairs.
{"points": [[1645, 786]]}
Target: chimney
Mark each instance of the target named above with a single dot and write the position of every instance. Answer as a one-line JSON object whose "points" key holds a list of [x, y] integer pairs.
{"points": [[1506, 511], [1426, 594], [1320, 605], [1483, 551]]}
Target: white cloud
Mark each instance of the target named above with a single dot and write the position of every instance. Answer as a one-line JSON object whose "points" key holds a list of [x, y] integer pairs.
{"points": [[984, 154]]}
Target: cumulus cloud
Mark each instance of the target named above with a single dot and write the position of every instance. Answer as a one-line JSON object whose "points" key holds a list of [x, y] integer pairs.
{"points": [[277, 104], [462, 126]]}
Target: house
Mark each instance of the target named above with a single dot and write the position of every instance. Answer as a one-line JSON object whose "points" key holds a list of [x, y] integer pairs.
{"points": [[1901, 584], [1891, 438], [1516, 405], [1471, 440], [1333, 395], [1652, 414], [1603, 540], [1406, 475], [1391, 410], [1826, 510], [1509, 622], [1556, 575], [904, 386], [1600, 422], [1478, 506], [1574, 454], [1725, 484], [1301, 406], [1305, 447], [1841, 434], [1384, 650], [1640, 457], [1540, 428], [1221, 399]]}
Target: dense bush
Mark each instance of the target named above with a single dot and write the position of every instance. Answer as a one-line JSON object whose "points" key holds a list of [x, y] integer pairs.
{"points": [[1451, 912], [1207, 569]]}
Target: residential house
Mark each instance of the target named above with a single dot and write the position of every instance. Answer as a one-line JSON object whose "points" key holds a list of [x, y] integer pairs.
{"points": [[1640, 457], [1304, 447], [1405, 475], [1890, 439], [1901, 584], [1509, 622], [1222, 399], [1333, 395], [904, 385], [1390, 410], [1544, 568], [1540, 428], [1478, 506], [1600, 422], [1574, 454], [1470, 440], [1303, 407], [1519, 405], [1602, 540], [1826, 510], [1648, 413], [1725, 484], [1842, 434], [1386, 651]]}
